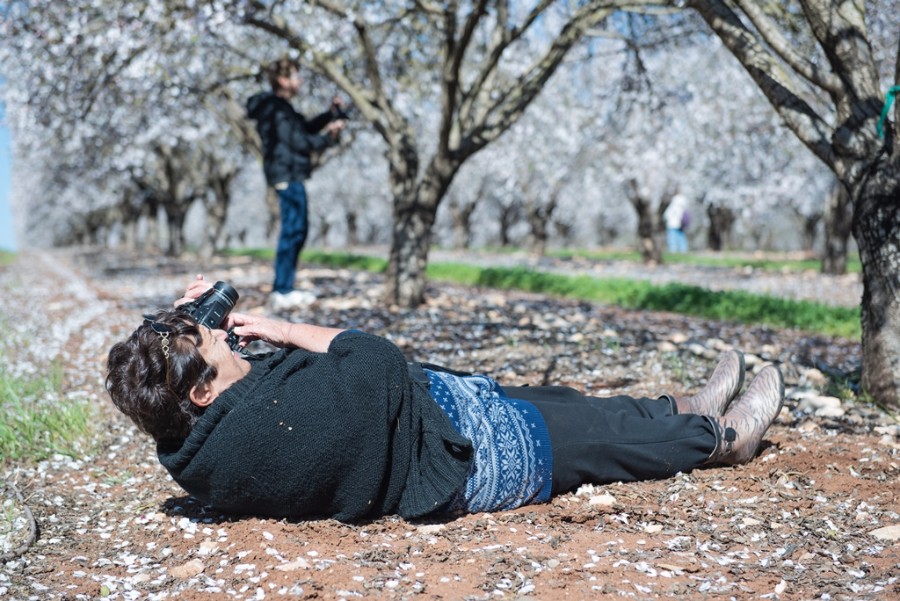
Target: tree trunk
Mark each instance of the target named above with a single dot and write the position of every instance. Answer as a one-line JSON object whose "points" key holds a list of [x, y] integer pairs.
{"points": [[324, 231], [408, 260], [352, 227], [151, 238], [810, 229], [837, 230], [461, 214], [509, 215], [606, 230], [721, 220], [414, 212], [129, 235], [648, 225], [216, 204], [216, 214], [130, 211], [175, 215], [876, 227], [538, 217], [565, 230]]}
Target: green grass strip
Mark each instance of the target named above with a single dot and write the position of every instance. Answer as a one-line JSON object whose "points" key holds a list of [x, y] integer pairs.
{"points": [[37, 420], [732, 305], [345, 260], [707, 260]]}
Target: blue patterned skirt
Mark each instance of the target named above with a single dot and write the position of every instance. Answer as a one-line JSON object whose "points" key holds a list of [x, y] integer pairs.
{"points": [[512, 463]]}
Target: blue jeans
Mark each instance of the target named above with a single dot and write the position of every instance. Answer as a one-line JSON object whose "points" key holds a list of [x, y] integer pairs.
{"points": [[677, 240], [294, 225]]}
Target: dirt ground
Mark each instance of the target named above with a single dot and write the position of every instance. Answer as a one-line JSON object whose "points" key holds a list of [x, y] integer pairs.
{"points": [[815, 516]]}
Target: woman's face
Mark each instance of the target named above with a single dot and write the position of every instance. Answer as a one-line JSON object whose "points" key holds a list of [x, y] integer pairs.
{"points": [[230, 365]]}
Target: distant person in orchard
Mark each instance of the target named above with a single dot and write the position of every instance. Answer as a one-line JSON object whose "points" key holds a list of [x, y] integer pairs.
{"points": [[338, 424], [288, 141], [677, 219]]}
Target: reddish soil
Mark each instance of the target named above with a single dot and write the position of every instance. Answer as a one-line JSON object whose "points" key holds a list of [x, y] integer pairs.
{"points": [[811, 517]]}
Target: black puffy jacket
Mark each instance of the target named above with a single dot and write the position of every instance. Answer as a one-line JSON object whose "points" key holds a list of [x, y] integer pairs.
{"points": [[288, 139]]}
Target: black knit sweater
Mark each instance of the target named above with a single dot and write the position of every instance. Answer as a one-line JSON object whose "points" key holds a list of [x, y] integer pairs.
{"points": [[344, 434]]}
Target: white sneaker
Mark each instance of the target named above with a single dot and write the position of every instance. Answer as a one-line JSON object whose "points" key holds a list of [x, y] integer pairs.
{"points": [[289, 300]]}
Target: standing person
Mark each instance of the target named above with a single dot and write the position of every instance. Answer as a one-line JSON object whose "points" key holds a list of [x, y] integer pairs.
{"points": [[338, 424], [288, 140], [676, 218]]}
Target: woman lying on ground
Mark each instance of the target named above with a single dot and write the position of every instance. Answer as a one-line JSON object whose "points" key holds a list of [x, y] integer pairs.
{"points": [[336, 423]]}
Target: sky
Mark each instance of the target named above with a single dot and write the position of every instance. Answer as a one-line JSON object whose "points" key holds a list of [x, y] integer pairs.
{"points": [[7, 239]]}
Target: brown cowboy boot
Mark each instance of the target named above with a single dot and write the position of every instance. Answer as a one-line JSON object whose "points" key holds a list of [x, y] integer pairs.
{"points": [[741, 429], [724, 384]]}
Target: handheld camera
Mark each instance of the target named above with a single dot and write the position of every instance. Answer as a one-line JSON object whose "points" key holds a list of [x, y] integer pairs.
{"points": [[212, 307]]}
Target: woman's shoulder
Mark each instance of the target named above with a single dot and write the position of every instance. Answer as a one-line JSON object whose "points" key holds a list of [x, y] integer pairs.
{"points": [[356, 338]]}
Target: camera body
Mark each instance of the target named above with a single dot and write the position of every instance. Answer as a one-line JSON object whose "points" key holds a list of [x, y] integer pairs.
{"points": [[212, 307]]}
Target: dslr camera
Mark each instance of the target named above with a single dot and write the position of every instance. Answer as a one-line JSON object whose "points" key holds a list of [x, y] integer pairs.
{"points": [[212, 307]]}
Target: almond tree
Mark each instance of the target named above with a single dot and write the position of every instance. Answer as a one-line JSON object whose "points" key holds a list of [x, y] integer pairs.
{"points": [[837, 230], [486, 61], [100, 94], [816, 64]]}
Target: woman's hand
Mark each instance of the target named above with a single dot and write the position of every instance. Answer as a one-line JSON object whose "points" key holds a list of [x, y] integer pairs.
{"points": [[194, 290], [254, 327], [281, 333]]}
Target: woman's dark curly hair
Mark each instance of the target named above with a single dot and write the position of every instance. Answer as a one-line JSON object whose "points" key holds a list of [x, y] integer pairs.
{"points": [[154, 391]]}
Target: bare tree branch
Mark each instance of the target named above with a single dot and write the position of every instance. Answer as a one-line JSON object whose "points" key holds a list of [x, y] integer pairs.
{"points": [[776, 40], [840, 28], [769, 75], [501, 39], [454, 53], [372, 70], [331, 8], [514, 100], [429, 8]]}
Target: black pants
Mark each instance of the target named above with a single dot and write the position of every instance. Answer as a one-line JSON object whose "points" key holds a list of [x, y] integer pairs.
{"points": [[617, 439]]}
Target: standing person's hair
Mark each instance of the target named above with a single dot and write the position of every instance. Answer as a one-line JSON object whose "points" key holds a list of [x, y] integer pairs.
{"points": [[150, 375], [283, 67]]}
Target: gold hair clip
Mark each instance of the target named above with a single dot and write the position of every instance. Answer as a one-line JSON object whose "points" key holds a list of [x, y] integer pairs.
{"points": [[164, 341], [163, 330]]}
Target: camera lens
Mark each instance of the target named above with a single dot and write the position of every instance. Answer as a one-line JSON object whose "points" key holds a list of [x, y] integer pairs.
{"points": [[227, 290], [213, 307]]}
